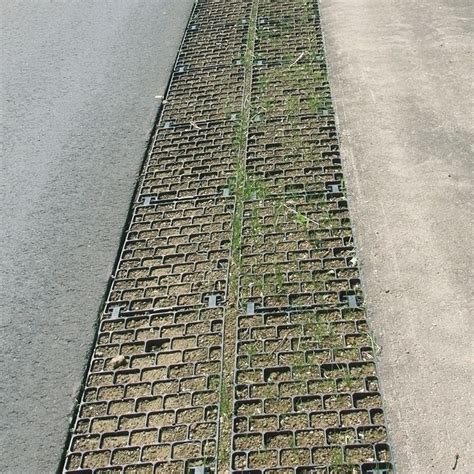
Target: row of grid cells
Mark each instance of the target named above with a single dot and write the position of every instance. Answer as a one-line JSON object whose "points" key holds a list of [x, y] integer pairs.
{"points": [[298, 136], [293, 449], [290, 388], [277, 9], [165, 324], [257, 277], [319, 282], [193, 373], [172, 278], [157, 419], [275, 271], [290, 19], [322, 163], [292, 179], [308, 340], [202, 95], [190, 140], [105, 394], [323, 428], [273, 278], [275, 175], [171, 219], [261, 235], [321, 459], [196, 287], [156, 427], [304, 411], [343, 321], [307, 215], [161, 350], [271, 285], [320, 422], [297, 223], [179, 329], [305, 354], [289, 251]]}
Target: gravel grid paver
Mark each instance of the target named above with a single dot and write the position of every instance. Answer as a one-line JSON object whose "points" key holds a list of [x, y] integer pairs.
{"points": [[234, 337]]}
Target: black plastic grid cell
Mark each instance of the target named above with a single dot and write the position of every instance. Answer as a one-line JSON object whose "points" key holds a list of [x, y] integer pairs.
{"points": [[289, 90], [294, 154], [151, 393], [176, 253], [202, 95], [298, 17], [297, 401], [189, 161]]}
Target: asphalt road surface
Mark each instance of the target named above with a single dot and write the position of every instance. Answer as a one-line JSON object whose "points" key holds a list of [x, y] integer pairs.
{"points": [[400, 72], [78, 86]]}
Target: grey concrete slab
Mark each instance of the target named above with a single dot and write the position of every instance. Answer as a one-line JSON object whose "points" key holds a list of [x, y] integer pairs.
{"points": [[401, 79], [78, 86]]}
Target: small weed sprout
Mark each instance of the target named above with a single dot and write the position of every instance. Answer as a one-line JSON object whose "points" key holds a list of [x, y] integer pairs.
{"points": [[347, 379], [314, 103], [292, 105], [279, 279], [301, 220], [224, 402], [252, 350], [336, 458]]}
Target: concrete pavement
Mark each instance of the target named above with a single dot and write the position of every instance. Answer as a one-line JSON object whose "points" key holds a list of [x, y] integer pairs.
{"points": [[400, 73], [77, 86]]}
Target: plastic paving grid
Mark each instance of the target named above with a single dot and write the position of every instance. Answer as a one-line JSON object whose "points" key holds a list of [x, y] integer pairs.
{"points": [[299, 402], [239, 222], [190, 161], [215, 43], [176, 253], [291, 89], [306, 393], [297, 252], [161, 401], [202, 95], [297, 155]]}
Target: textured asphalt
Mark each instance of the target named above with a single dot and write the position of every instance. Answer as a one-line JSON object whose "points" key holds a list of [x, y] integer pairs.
{"points": [[78, 87], [401, 78]]}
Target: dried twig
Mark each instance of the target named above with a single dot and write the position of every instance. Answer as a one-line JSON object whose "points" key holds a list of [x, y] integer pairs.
{"points": [[455, 461], [299, 58], [294, 211], [279, 345]]}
